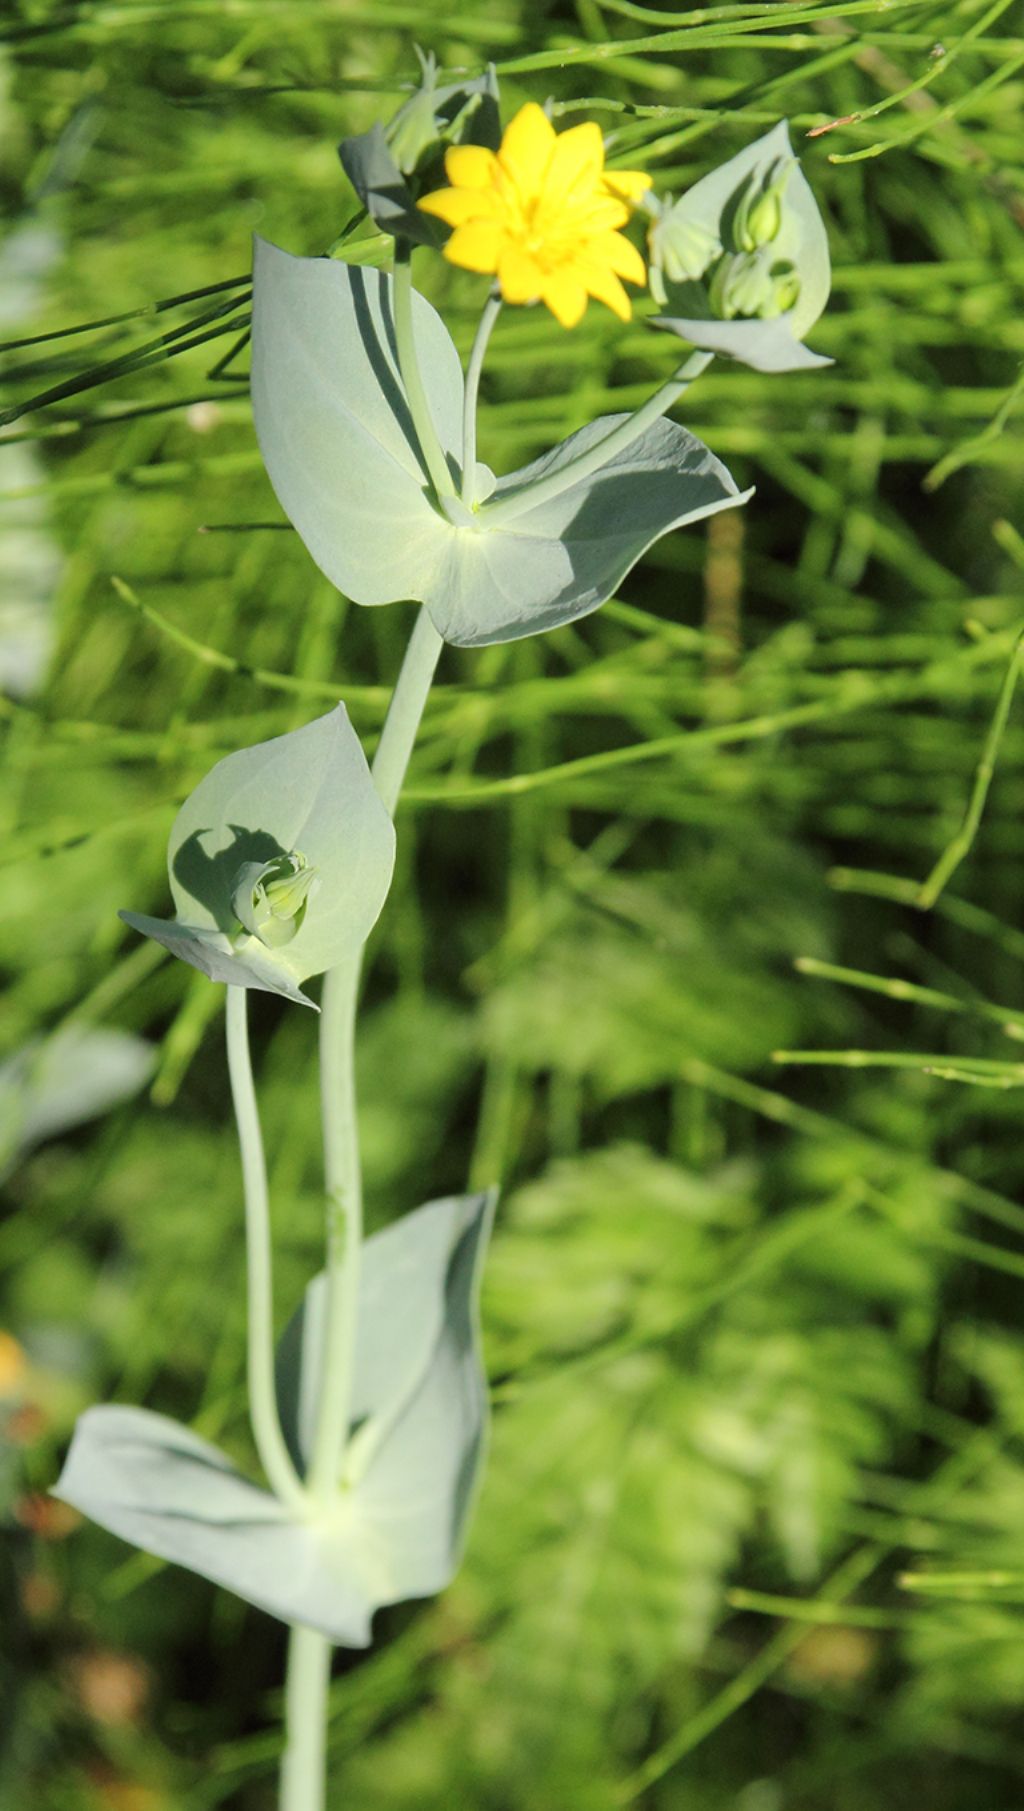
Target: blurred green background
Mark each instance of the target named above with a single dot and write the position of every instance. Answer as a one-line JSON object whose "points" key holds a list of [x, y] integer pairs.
{"points": [[754, 1329]]}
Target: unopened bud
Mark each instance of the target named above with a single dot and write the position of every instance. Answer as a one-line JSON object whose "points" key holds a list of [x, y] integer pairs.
{"points": [[758, 217], [741, 283], [270, 898], [414, 128], [680, 248], [784, 292]]}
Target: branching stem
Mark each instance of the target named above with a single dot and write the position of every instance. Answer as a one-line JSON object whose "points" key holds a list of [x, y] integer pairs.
{"points": [[492, 309], [515, 503]]}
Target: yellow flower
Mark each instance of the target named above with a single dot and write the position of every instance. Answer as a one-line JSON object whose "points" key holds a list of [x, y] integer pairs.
{"points": [[541, 214]]}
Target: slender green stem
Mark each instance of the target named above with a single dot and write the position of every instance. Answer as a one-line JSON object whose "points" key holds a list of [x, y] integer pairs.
{"points": [[412, 688], [266, 1426], [343, 1185], [338, 1095], [492, 309], [303, 1770], [514, 503], [412, 377]]}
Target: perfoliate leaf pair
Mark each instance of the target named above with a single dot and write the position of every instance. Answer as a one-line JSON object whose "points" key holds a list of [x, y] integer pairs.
{"points": [[279, 862], [741, 263], [395, 1528], [341, 452]]}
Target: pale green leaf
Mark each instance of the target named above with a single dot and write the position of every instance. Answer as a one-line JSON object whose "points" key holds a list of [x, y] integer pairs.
{"points": [[311, 792], [157, 1485], [419, 1399], [763, 345], [561, 559]]}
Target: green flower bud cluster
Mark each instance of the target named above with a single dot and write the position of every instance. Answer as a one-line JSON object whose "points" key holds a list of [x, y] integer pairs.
{"points": [[270, 898], [744, 280], [758, 218], [752, 286], [433, 116], [749, 283]]}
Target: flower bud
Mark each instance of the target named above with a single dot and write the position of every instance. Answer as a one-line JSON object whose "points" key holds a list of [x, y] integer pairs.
{"points": [[740, 284], [270, 898], [414, 128], [680, 247], [784, 293], [758, 217]]}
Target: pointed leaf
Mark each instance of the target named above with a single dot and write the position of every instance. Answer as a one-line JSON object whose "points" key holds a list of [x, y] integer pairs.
{"points": [[763, 345], [334, 426], [559, 560], [423, 1452], [406, 1263], [161, 1487], [214, 955], [310, 792], [419, 1401]]}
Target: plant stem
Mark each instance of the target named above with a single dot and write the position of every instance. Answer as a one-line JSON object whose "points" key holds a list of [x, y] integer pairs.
{"points": [[492, 309], [338, 1094], [514, 503], [266, 1426], [343, 1185], [412, 688], [303, 1770], [412, 378]]}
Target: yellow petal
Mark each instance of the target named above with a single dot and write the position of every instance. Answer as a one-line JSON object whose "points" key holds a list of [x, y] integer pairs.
{"points": [[629, 184], [619, 254], [475, 246], [605, 287], [599, 215], [520, 276], [526, 147], [575, 164], [566, 296], [469, 166], [456, 206]]}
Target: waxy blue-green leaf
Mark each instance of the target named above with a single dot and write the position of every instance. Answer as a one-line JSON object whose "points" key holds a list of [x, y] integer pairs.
{"points": [[419, 1401], [396, 1527], [311, 793], [710, 208], [763, 345], [342, 456]]}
